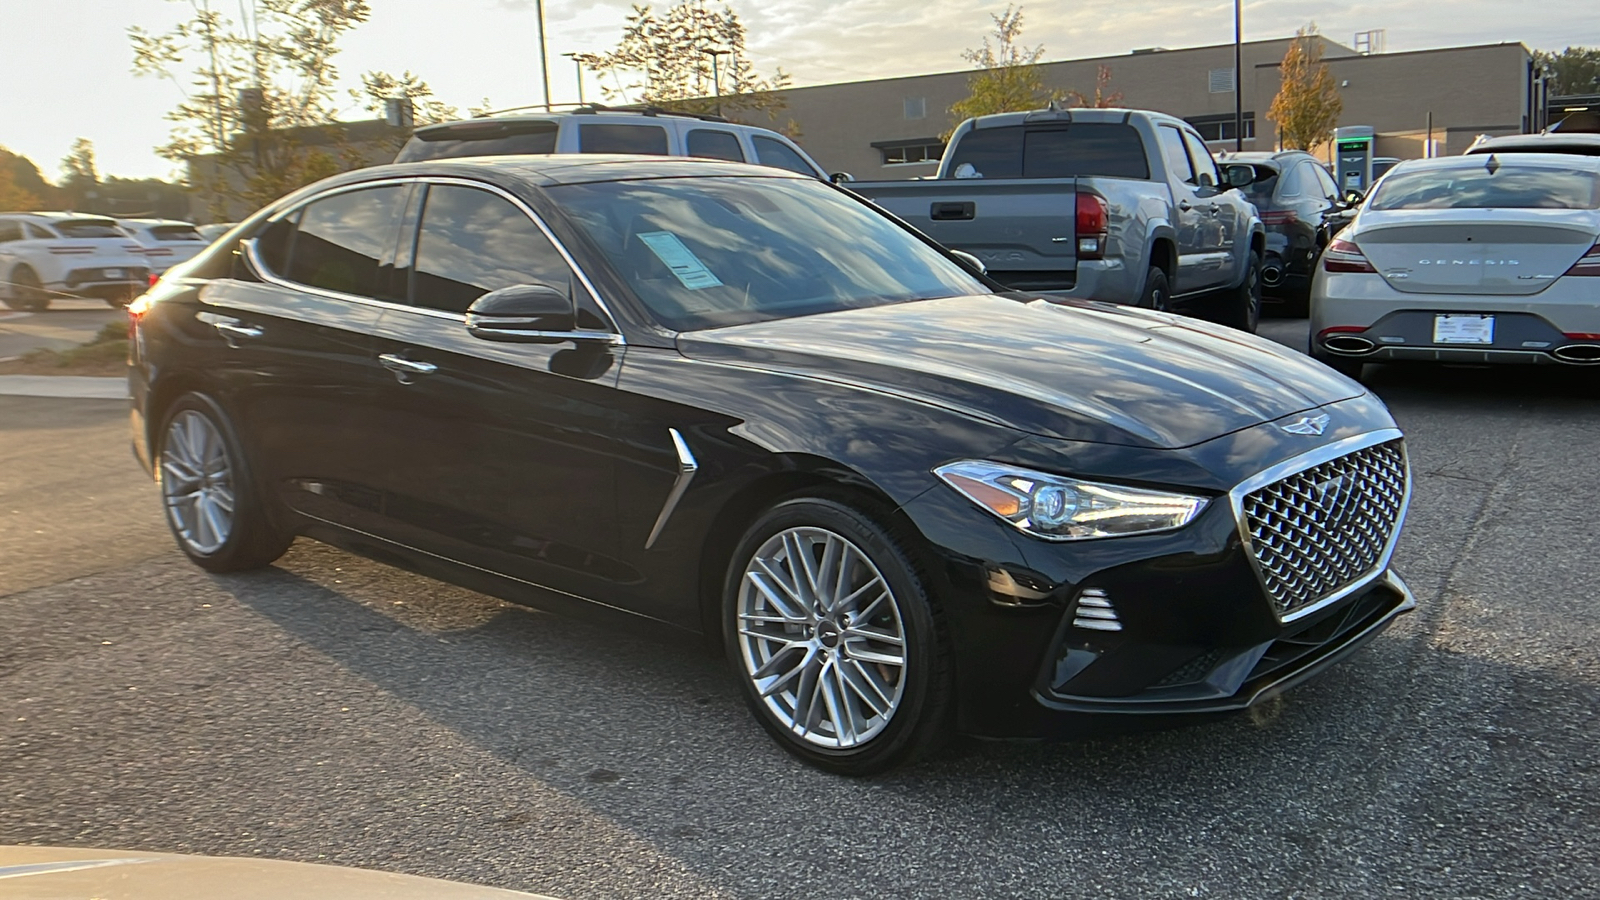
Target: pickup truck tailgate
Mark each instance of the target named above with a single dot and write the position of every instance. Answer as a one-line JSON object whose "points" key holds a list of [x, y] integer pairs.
{"points": [[1013, 225]]}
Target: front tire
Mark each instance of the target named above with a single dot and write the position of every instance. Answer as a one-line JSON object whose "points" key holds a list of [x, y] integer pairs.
{"points": [[214, 507], [1240, 307], [833, 636]]}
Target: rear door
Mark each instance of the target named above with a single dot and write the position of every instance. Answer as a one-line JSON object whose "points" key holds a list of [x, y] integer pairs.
{"points": [[501, 455]]}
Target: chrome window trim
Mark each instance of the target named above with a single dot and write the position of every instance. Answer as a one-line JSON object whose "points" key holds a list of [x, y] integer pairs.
{"points": [[687, 467], [252, 255], [1311, 459]]}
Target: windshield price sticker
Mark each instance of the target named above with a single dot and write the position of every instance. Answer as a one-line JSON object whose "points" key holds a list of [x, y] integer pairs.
{"points": [[1463, 329], [680, 259]]}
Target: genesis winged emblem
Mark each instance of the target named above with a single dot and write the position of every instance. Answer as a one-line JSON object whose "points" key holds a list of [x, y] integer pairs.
{"points": [[1307, 425]]}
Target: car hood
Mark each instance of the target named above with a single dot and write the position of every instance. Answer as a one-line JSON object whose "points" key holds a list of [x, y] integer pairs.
{"points": [[1073, 370], [72, 873]]}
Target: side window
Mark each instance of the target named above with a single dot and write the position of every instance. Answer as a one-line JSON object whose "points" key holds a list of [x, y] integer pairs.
{"points": [[1205, 168], [1330, 188], [1177, 158], [775, 153], [715, 144], [10, 231], [272, 244], [473, 242], [1293, 183], [606, 137], [341, 241]]}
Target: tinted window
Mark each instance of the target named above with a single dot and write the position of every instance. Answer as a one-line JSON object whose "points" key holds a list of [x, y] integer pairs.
{"points": [[708, 252], [10, 231], [175, 233], [1507, 187], [1325, 182], [38, 232], [272, 244], [88, 228], [775, 153], [1106, 150], [1205, 168], [1260, 192], [1173, 152], [600, 137], [473, 242], [1293, 184], [991, 152], [487, 138], [341, 240], [715, 144]]}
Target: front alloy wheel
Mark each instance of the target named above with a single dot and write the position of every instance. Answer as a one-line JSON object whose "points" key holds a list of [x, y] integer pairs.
{"points": [[833, 638]]}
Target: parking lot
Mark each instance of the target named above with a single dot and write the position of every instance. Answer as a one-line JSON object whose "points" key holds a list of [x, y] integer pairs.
{"points": [[334, 709]]}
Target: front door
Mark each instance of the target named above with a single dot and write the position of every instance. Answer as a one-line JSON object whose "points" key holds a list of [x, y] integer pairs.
{"points": [[1191, 214], [501, 455]]}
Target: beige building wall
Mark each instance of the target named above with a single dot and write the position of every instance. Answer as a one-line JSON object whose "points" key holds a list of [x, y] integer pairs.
{"points": [[1469, 90]]}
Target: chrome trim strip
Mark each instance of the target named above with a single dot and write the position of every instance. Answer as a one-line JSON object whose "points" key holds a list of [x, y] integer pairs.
{"points": [[1310, 459], [687, 466], [252, 256], [491, 333]]}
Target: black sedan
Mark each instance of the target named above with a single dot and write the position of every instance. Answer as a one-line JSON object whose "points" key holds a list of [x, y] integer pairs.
{"points": [[746, 406], [1300, 205]]}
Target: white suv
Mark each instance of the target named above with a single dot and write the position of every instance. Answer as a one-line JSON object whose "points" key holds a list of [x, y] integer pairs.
{"points": [[51, 254], [597, 129], [166, 242]]}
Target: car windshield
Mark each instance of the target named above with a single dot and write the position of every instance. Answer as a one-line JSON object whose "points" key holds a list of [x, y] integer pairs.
{"points": [[87, 228], [711, 252], [1500, 187]]}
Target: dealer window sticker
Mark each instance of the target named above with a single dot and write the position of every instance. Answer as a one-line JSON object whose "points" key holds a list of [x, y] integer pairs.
{"points": [[680, 259]]}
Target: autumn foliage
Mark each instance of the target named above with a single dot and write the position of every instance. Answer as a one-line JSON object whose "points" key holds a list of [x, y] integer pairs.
{"points": [[1308, 105]]}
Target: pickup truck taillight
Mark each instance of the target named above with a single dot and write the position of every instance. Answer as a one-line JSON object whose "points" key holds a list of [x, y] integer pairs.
{"points": [[1091, 229], [1344, 256], [1587, 264]]}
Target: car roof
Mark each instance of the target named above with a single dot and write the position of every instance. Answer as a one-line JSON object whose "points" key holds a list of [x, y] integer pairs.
{"points": [[1549, 141], [586, 114], [55, 216], [1556, 161], [150, 223], [546, 170]]}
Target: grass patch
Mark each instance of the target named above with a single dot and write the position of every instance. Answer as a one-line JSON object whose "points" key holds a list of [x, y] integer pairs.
{"points": [[106, 356]]}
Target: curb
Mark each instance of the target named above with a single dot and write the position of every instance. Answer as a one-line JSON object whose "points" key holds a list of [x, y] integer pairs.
{"points": [[80, 387]]}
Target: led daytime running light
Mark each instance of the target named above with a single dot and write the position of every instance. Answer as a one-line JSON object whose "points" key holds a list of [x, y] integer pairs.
{"points": [[1058, 508]]}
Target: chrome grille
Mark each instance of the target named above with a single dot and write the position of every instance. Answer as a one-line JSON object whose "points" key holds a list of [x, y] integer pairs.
{"points": [[1320, 529]]}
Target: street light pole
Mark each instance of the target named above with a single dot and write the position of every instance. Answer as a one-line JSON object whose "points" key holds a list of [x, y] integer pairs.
{"points": [[577, 61], [1238, 78], [716, 82], [544, 64]]}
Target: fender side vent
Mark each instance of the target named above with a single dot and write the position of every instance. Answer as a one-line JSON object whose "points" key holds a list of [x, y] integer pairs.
{"points": [[1095, 612]]}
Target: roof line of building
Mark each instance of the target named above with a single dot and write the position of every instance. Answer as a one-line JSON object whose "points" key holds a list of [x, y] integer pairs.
{"points": [[1273, 65]]}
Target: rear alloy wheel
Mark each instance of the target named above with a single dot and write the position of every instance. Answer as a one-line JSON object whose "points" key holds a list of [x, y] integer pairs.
{"points": [[27, 293], [833, 638], [1240, 307], [212, 504]]}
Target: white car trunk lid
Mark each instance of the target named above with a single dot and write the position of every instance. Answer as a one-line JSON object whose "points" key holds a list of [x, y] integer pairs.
{"points": [[1475, 251]]}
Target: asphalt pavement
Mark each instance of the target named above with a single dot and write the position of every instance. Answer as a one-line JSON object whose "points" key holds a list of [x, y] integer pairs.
{"points": [[331, 709], [67, 323]]}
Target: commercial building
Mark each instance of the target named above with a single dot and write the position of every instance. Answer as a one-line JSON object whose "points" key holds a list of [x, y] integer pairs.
{"points": [[890, 128]]}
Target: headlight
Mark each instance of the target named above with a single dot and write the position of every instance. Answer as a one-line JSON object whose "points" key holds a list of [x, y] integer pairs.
{"points": [[1065, 509]]}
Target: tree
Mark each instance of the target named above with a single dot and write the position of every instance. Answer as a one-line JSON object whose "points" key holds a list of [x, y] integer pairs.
{"points": [[665, 59], [1008, 77], [259, 97], [1576, 70], [80, 176], [1308, 104], [1104, 97], [22, 188]]}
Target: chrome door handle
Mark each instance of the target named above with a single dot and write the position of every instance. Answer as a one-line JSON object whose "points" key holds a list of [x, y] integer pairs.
{"points": [[234, 329], [406, 369], [1185, 205]]}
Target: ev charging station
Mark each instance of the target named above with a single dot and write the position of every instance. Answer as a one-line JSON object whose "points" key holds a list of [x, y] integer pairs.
{"points": [[1353, 157]]}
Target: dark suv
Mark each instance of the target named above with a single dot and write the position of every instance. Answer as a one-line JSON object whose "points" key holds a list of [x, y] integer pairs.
{"points": [[1294, 194]]}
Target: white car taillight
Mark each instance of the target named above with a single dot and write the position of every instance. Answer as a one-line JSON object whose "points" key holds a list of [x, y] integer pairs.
{"points": [[1344, 256], [1587, 264]]}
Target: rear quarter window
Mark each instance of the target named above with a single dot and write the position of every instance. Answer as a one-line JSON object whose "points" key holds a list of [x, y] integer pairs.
{"points": [[1507, 187], [176, 233]]}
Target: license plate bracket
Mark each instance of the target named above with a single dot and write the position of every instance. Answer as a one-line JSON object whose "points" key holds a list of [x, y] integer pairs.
{"points": [[111, 273], [1463, 329]]}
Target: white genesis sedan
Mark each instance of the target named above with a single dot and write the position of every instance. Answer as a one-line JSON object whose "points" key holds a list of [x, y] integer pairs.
{"points": [[1468, 259]]}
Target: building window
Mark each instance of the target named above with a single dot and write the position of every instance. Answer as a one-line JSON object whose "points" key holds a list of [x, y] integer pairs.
{"points": [[916, 107], [1220, 128], [1220, 81], [912, 152]]}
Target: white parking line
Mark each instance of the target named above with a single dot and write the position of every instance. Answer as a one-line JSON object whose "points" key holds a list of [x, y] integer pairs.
{"points": [[14, 315]]}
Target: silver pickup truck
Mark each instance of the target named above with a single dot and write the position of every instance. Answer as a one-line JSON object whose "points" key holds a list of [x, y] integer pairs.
{"points": [[1106, 204]]}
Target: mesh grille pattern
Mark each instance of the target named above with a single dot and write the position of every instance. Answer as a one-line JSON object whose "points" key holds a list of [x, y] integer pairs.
{"points": [[1317, 531]]}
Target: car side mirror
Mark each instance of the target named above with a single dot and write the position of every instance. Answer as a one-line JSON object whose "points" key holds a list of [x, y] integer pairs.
{"points": [[1238, 176], [523, 313], [1353, 197], [841, 178], [970, 261]]}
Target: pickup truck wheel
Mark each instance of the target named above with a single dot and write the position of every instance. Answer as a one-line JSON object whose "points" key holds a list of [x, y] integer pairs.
{"points": [[1157, 293], [1241, 307]]}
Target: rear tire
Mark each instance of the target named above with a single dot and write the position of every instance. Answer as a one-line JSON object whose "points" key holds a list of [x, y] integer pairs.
{"points": [[834, 639], [27, 292], [216, 510], [1157, 293]]}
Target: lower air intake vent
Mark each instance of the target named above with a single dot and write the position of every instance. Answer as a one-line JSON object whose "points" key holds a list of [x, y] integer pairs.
{"points": [[1094, 611]]}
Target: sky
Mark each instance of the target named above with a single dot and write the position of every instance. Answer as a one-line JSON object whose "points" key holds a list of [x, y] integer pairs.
{"points": [[65, 65]]}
